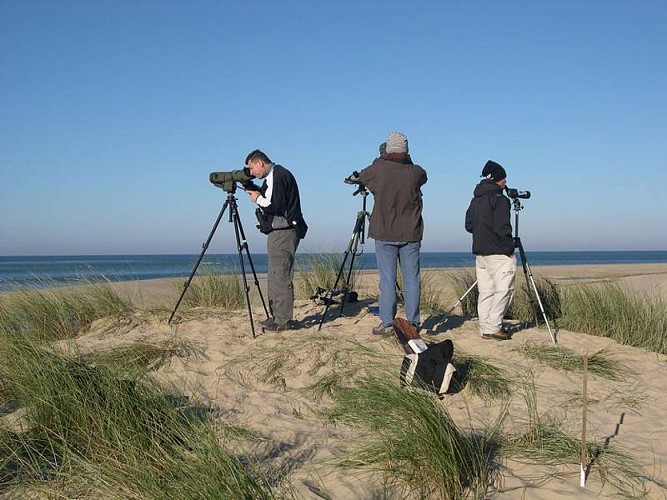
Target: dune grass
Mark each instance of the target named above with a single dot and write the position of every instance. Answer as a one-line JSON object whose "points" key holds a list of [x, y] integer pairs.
{"points": [[215, 290], [461, 281], [138, 359], [523, 306], [603, 309], [544, 440], [480, 377], [56, 314], [599, 363], [321, 270], [332, 362], [430, 300], [111, 435], [414, 443], [608, 310]]}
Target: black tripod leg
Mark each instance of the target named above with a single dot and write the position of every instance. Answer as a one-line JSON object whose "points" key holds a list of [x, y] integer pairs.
{"points": [[529, 279], [252, 266], [239, 248], [347, 279], [529, 283], [357, 235], [329, 300], [201, 256]]}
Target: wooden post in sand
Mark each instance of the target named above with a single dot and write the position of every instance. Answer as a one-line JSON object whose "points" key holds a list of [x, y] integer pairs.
{"points": [[584, 448]]}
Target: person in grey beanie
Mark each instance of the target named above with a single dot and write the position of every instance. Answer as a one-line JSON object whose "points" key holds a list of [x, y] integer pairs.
{"points": [[488, 219], [397, 226]]}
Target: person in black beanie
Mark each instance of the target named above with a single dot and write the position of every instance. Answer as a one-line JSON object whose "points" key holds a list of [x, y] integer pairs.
{"points": [[488, 219]]}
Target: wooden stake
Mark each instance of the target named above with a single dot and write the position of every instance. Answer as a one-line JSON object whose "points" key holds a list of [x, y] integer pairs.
{"points": [[584, 448]]}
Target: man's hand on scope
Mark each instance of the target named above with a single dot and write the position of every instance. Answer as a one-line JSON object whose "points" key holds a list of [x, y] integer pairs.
{"points": [[353, 178], [250, 186], [253, 195]]}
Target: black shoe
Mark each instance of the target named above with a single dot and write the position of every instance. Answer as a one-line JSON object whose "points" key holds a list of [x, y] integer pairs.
{"points": [[276, 327]]}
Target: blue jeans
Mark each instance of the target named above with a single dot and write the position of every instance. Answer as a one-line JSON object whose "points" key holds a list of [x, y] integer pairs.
{"points": [[388, 255]]}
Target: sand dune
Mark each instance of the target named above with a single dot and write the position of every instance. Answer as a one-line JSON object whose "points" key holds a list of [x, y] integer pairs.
{"points": [[264, 384]]}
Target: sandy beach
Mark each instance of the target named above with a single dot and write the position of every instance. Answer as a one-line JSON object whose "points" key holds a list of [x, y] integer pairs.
{"points": [[230, 374]]}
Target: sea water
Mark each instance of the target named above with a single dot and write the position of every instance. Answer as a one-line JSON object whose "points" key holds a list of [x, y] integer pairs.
{"points": [[35, 272]]}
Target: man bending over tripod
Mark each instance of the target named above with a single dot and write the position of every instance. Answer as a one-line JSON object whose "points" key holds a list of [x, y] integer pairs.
{"points": [[488, 219], [397, 226], [280, 217]]}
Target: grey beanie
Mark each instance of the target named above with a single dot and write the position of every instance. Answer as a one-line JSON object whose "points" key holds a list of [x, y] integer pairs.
{"points": [[397, 143]]}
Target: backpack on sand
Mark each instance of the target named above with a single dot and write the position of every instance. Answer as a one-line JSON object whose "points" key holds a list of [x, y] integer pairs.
{"points": [[424, 366]]}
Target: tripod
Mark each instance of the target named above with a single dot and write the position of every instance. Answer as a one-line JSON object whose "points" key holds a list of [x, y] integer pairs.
{"points": [[241, 244], [357, 236], [516, 204]]}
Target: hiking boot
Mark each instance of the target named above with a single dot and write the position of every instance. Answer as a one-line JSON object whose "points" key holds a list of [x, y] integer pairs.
{"points": [[499, 335], [277, 327], [383, 329], [266, 322]]}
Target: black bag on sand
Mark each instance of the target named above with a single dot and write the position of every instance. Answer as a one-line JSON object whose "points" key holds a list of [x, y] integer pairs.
{"points": [[430, 369]]}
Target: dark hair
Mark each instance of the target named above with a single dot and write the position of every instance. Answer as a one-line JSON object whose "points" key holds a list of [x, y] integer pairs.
{"points": [[257, 155]]}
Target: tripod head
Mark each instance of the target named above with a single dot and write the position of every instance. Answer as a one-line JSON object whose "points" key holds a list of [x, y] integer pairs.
{"points": [[353, 178]]}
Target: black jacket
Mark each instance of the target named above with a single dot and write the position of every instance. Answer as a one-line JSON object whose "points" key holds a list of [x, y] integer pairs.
{"points": [[285, 204], [488, 219]]}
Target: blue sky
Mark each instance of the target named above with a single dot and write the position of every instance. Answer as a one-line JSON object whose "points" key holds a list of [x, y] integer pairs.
{"points": [[113, 113]]}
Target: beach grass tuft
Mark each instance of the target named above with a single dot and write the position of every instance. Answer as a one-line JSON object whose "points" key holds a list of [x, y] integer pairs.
{"points": [[413, 442], [112, 434], [543, 440], [523, 306], [608, 310], [430, 295], [599, 363], [482, 379], [462, 281], [215, 290], [141, 357], [56, 314], [321, 271]]}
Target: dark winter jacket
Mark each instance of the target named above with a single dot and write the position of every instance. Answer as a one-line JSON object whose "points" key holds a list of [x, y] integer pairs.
{"points": [[488, 219], [282, 209], [397, 208]]}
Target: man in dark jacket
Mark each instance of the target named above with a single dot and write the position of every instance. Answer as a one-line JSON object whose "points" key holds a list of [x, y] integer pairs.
{"points": [[488, 219], [396, 225], [280, 208]]}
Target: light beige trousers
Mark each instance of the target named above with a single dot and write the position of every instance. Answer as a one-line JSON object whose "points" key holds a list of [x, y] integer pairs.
{"points": [[495, 286]]}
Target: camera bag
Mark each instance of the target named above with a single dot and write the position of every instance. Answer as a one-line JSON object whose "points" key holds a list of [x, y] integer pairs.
{"points": [[424, 366]]}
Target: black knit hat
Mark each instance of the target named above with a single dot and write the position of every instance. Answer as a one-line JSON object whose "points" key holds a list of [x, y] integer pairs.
{"points": [[493, 171]]}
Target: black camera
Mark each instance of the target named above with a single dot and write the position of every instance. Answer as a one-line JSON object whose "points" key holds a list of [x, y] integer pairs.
{"points": [[228, 180], [517, 193]]}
